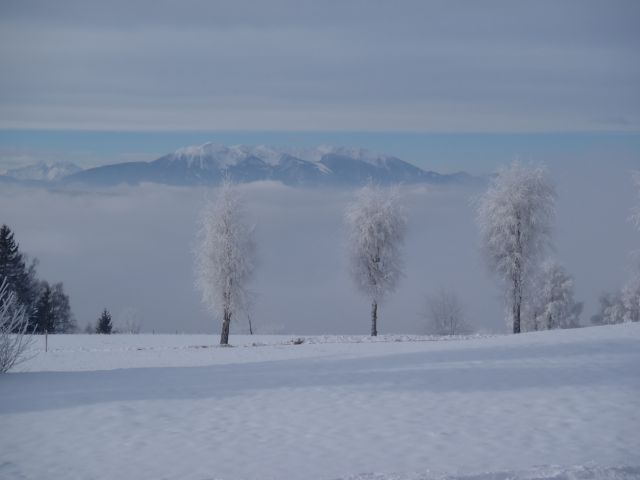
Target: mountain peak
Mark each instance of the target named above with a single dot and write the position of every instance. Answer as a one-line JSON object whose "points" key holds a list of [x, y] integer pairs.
{"points": [[209, 163]]}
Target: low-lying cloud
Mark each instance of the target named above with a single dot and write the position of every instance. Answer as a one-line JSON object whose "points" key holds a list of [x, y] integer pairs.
{"points": [[131, 249]]}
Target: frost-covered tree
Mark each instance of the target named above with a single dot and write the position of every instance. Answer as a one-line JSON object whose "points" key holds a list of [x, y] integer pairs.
{"points": [[631, 299], [631, 291], [515, 217], [445, 314], [225, 256], [557, 306], [14, 324], [375, 230], [611, 310]]}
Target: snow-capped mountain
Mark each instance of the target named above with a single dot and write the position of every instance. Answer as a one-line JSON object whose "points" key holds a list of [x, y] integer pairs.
{"points": [[210, 163], [42, 171]]}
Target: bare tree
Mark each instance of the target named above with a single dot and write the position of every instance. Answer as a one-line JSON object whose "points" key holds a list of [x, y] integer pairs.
{"points": [[128, 321], [445, 314], [14, 324], [376, 227], [515, 217], [224, 256]]}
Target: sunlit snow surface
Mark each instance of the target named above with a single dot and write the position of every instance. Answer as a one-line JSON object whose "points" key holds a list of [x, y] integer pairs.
{"points": [[548, 405]]}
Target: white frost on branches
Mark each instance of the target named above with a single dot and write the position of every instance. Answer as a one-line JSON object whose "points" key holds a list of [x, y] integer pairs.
{"points": [[376, 227], [14, 322], [611, 310], [515, 219], [557, 307], [631, 291], [631, 299], [224, 257], [445, 314]]}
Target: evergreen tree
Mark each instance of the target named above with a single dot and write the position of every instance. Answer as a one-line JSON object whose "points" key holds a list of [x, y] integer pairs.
{"points": [[64, 321], [43, 317], [20, 277], [52, 312], [104, 323]]}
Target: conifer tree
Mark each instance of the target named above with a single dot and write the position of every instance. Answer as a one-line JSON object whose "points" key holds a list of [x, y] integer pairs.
{"points": [[43, 317], [20, 278], [104, 323]]}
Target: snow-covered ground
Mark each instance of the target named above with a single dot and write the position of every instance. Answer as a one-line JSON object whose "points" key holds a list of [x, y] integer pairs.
{"points": [[548, 405]]}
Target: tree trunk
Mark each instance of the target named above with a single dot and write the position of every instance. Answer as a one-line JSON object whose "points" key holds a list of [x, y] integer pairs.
{"points": [[517, 279], [250, 326], [517, 304], [374, 319], [224, 336]]}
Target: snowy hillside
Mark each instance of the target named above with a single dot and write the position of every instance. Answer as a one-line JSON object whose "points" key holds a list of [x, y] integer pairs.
{"points": [[547, 405], [44, 172], [209, 163]]}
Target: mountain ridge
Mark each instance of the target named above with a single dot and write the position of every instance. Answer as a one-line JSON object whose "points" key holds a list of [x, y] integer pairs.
{"points": [[210, 163]]}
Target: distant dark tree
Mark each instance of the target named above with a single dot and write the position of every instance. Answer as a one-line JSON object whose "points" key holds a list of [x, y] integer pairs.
{"points": [[43, 317], [89, 329], [52, 312], [64, 321], [104, 323], [18, 273]]}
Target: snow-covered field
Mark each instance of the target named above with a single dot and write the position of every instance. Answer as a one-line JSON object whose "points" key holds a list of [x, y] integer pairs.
{"points": [[561, 405]]}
